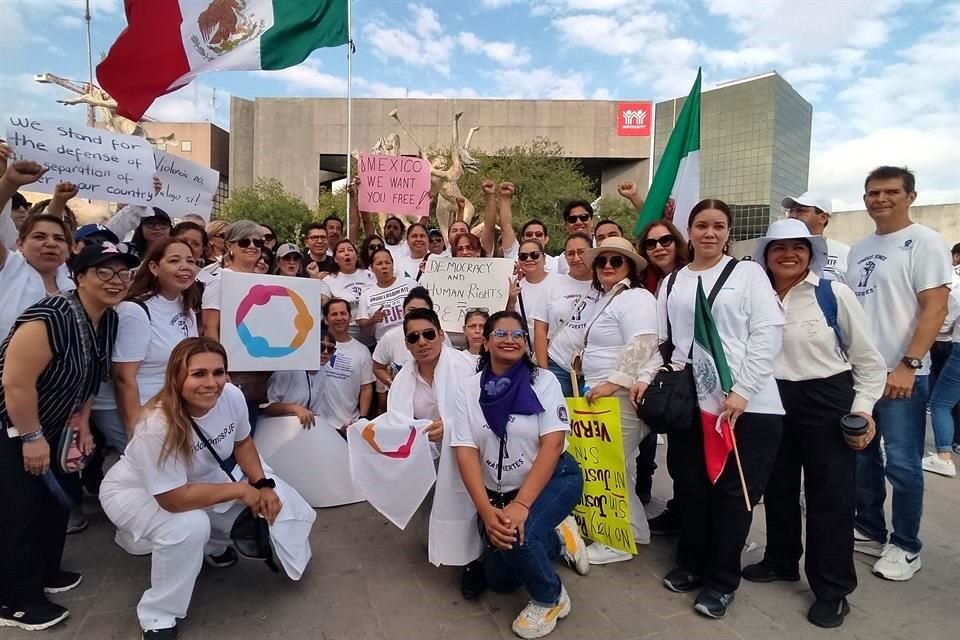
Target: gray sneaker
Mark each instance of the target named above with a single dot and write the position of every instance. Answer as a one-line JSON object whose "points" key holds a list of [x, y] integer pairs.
{"points": [[77, 522]]}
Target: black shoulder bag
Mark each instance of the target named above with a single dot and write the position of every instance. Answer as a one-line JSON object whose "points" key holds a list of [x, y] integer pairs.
{"points": [[670, 402], [249, 533]]}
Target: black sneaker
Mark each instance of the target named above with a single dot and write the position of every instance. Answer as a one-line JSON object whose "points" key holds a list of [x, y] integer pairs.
{"points": [[665, 524], [161, 634], [36, 618], [765, 572], [226, 559], [828, 614], [472, 581], [681, 581], [713, 604], [64, 581]]}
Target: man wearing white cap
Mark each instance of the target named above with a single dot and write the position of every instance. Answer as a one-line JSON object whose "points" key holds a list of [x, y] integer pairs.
{"points": [[814, 211]]}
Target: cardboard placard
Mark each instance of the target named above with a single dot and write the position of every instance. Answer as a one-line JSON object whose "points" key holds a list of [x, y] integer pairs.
{"points": [[188, 187], [398, 184], [458, 284]]}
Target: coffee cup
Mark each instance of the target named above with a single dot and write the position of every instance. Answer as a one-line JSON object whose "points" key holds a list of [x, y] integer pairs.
{"points": [[854, 427]]}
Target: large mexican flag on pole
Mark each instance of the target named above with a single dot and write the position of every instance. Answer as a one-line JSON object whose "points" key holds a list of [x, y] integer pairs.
{"points": [[676, 185], [167, 43], [714, 381]]}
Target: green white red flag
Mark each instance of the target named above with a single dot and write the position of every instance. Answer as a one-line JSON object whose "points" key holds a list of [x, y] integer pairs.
{"points": [[167, 43], [713, 380], [676, 184]]}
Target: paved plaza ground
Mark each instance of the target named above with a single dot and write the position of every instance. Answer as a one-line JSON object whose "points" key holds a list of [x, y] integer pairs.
{"points": [[370, 581]]}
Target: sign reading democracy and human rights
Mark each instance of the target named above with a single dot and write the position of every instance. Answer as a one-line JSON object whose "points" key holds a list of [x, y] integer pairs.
{"points": [[398, 184], [459, 284], [103, 165]]}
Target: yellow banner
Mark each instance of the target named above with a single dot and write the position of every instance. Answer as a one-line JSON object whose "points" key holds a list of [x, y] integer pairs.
{"points": [[596, 442]]}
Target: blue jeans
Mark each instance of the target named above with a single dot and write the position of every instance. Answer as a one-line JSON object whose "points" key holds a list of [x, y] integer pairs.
{"points": [[902, 425], [528, 564], [943, 398], [110, 425], [563, 376]]}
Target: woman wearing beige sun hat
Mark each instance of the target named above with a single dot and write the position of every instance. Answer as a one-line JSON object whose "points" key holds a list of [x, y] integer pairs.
{"points": [[620, 350]]}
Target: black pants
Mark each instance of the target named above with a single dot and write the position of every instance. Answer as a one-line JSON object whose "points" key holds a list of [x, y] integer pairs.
{"points": [[33, 528], [813, 441], [646, 465], [939, 353], [714, 518]]}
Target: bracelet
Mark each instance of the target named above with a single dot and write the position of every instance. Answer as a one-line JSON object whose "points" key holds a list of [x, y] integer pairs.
{"points": [[32, 436], [521, 504], [264, 483]]}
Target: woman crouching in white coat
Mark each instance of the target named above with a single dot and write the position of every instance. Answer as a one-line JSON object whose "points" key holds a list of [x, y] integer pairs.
{"points": [[169, 496]]}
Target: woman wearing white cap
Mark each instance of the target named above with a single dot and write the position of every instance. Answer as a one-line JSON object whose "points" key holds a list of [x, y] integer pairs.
{"points": [[826, 369], [621, 348]]}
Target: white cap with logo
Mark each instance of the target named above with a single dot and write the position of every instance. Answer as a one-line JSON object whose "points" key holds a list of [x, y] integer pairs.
{"points": [[808, 199]]}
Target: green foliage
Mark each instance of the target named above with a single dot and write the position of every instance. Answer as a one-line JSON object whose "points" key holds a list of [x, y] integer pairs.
{"points": [[335, 203], [618, 209], [267, 202]]}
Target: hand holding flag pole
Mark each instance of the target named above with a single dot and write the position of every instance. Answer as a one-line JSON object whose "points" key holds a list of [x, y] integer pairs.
{"points": [[736, 455]]}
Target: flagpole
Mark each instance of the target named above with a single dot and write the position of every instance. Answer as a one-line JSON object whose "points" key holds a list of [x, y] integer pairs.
{"points": [[736, 456], [349, 102], [653, 147]]}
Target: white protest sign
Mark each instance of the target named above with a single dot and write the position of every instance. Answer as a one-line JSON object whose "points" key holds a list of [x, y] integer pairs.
{"points": [[458, 284], [188, 187], [398, 184], [270, 323], [103, 165]]}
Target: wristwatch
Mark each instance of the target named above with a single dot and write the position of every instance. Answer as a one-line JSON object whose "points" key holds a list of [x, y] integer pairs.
{"points": [[264, 483], [32, 436], [912, 363]]}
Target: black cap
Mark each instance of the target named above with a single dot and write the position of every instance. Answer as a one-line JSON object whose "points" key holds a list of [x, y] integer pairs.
{"points": [[19, 202], [96, 254], [158, 213]]}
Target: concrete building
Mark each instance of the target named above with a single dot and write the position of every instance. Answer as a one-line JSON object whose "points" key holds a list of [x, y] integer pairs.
{"points": [[851, 226], [302, 141], [754, 147]]}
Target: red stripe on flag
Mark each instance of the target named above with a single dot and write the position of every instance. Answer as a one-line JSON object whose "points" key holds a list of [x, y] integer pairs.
{"points": [[717, 444], [147, 57]]}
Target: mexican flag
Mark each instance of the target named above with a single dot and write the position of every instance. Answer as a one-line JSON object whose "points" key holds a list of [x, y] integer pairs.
{"points": [[676, 185], [167, 43], [713, 380]]}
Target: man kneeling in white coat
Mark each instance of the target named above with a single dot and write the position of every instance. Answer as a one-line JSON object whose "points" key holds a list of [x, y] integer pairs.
{"points": [[169, 496]]}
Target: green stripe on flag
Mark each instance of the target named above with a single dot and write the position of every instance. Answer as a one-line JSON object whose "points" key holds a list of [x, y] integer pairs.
{"points": [[684, 139], [300, 27], [706, 335]]}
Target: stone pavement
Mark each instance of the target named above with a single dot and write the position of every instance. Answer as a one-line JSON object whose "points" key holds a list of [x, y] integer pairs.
{"points": [[370, 581]]}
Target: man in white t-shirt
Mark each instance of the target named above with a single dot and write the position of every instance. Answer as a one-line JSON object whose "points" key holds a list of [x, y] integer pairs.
{"points": [[577, 216], [900, 275], [349, 372], [814, 211], [393, 238]]}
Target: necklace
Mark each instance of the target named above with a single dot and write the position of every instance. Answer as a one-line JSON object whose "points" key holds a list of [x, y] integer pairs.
{"points": [[782, 292]]}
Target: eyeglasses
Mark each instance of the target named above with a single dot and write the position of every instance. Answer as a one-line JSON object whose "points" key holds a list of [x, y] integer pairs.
{"points": [[328, 348], [269, 237], [107, 274], [534, 235], [615, 261], [156, 223], [523, 256], [316, 238], [501, 334], [428, 334], [573, 253], [663, 241], [583, 217], [244, 243]]}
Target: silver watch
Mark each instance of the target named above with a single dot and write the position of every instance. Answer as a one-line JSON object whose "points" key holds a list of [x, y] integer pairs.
{"points": [[33, 436]]}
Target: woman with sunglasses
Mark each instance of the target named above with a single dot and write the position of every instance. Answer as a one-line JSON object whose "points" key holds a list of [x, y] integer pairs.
{"points": [[348, 283], [381, 304], [621, 347], [370, 244], [51, 364], [151, 230], [509, 437], [534, 279], [265, 263], [215, 236], [269, 237], [562, 314], [473, 324]]}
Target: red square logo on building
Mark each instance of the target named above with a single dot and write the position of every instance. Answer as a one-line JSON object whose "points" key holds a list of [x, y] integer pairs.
{"points": [[634, 118]]}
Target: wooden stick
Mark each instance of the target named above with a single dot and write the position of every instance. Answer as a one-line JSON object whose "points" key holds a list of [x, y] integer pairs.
{"points": [[736, 456], [576, 385]]}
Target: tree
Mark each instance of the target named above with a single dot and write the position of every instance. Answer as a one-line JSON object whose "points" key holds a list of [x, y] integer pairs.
{"points": [[618, 209], [267, 202]]}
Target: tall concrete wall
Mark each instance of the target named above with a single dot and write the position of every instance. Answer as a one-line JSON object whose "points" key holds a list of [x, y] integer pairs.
{"points": [[851, 226]]}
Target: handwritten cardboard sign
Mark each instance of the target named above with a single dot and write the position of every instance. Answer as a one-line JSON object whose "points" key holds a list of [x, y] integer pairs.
{"points": [[458, 284], [398, 184], [188, 187], [103, 165], [595, 440]]}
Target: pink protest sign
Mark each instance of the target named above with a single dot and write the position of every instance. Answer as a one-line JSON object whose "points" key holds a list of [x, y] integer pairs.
{"points": [[394, 184]]}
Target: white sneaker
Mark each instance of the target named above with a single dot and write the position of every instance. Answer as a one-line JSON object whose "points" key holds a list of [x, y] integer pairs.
{"points": [[896, 564], [865, 545], [602, 554], [536, 620], [935, 464], [575, 550]]}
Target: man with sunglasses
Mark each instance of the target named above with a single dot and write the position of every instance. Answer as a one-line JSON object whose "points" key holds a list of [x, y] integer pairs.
{"points": [[814, 211], [349, 386]]}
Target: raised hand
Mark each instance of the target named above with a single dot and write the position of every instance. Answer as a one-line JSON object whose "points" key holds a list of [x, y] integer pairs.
{"points": [[65, 191], [628, 189], [23, 172], [488, 187], [507, 190]]}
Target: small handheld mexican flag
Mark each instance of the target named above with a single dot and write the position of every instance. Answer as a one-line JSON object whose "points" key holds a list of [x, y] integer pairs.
{"points": [[167, 43], [713, 380], [676, 185]]}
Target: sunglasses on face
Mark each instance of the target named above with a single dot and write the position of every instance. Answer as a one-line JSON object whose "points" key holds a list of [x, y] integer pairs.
{"points": [[583, 217], [217, 236], [516, 334], [156, 224], [291, 257], [614, 261], [269, 237], [533, 255], [244, 243], [374, 247], [328, 348], [106, 274], [663, 241], [427, 334]]}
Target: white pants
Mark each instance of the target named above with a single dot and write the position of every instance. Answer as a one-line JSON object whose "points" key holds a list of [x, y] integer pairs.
{"points": [[633, 430]]}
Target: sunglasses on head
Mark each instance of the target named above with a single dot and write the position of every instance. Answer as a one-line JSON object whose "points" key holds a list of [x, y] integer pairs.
{"points": [[533, 255], [516, 334], [244, 243], [614, 261], [428, 334], [663, 241], [477, 310], [583, 217], [328, 348]]}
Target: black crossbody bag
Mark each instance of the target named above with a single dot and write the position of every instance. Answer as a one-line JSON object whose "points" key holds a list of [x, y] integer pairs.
{"points": [[670, 402]]}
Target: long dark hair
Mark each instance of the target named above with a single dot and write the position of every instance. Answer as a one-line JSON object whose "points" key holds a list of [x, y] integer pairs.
{"points": [[488, 328], [182, 227], [652, 275], [365, 258], [138, 242], [704, 205], [146, 285]]}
